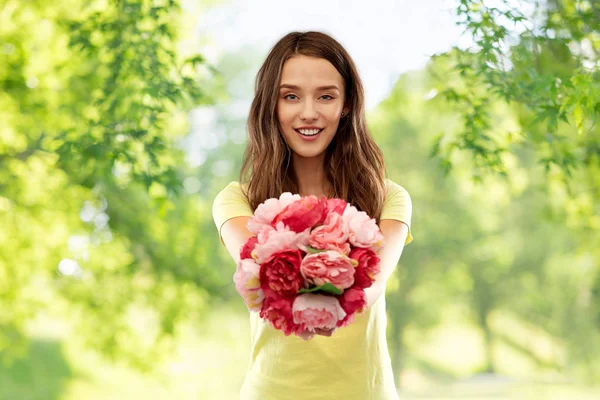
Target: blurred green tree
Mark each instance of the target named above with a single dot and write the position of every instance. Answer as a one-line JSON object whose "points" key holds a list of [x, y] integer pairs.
{"points": [[519, 98], [95, 224], [490, 250], [543, 58]]}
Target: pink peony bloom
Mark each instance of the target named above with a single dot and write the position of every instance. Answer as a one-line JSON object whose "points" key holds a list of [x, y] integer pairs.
{"points": [[248, 285], [314, 311], [352, 301], [263, 234], [280, 274], [328, 266], [268, 210], [332, 235], [279, 313], [303, 214], [246, 251], [364, 231], [273, 240], [336, 206], [368, 267]]}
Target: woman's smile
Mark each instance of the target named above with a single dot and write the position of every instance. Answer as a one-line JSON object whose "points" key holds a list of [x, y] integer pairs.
{"points": [[309, 134]]}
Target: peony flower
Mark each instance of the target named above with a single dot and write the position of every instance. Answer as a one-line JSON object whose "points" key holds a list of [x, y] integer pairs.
{"points": [[279, 313], [364, 231], [352, 301], [273, 240], [314, 311], [280, 274], [328, 266], [267, 211], [336, 206], [302, 214], [272, 269], [248, 285], [246, 251], [332, 235], [368, 266]]}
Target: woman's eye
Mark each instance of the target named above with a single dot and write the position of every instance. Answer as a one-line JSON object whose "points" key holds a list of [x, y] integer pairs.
{"points": [[293, 95]]}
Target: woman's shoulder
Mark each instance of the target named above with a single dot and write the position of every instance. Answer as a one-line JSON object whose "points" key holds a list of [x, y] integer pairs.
{"points": [[232, 193], [233, 184], [393, 188], [233, 187]]}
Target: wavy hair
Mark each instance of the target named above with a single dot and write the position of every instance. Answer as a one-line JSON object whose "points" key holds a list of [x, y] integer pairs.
{"points": [[354, 164]]}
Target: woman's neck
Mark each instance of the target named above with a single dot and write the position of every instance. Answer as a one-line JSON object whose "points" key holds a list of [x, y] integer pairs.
{"points": [[311, 176]]}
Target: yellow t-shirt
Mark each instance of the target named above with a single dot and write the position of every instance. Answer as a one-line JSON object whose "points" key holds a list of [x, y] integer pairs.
{"points": [[353, 363]]}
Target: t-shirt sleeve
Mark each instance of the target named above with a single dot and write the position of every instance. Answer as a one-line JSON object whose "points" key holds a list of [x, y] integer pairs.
{"points": [[229, 203], [398, 206]]}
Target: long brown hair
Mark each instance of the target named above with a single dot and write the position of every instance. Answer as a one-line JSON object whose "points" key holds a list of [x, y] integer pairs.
{"points": [[354, 163]]}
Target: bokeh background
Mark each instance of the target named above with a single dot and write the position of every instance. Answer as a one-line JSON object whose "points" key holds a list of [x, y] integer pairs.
{"points": [[121, 120]]}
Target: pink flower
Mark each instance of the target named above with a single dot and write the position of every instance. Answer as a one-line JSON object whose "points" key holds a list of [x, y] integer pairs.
{"points": [[268, 210], [332, 235], [248, 285], [352, 301], [279, 313], [273, 240], [328, 266], [263, 234], [314, 311], [280, 274], [364, 231], [304, 213], [368, 266], [336, 206], [246, 251]]}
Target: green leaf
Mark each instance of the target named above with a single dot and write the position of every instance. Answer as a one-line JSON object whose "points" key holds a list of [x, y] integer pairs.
{"points": [[313, 250], [327, 288], [578, 114]]}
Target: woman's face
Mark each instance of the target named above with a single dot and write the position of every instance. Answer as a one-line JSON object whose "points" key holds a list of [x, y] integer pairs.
{"points": [[311, 94]]}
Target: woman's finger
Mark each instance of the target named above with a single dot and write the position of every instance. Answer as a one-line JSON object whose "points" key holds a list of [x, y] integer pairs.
{"points": [[307, 335], [324, 332]]}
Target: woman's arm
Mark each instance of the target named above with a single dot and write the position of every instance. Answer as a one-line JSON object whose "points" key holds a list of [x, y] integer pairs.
{"points": [[394, 236], [235, 234]]}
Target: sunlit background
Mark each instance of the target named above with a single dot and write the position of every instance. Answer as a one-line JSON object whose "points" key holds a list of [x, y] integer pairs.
{"points": [[121, 120]]}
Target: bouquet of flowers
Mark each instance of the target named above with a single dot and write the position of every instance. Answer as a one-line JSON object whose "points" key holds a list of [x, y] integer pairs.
{"points": [[308, 263]]}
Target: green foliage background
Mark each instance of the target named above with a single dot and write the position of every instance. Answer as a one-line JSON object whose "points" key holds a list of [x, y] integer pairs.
{"points": [[113, 282]]}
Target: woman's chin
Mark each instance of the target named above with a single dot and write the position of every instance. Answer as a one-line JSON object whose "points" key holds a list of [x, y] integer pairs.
{"points": [[307, 153]]}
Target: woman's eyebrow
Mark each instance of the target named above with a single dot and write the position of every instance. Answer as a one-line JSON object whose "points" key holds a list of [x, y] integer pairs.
{"points": [[288, 86]]}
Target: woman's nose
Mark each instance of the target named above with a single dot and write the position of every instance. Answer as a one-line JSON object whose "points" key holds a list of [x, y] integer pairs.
{"points": [[308, 110]]}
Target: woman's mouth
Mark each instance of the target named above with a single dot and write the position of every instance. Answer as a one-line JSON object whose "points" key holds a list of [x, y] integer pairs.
{"points": [[309, 134]]}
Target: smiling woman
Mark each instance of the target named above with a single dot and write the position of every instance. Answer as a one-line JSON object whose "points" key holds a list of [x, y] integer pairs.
{"points": [[308, 114], [308, 80], [308, 111]]}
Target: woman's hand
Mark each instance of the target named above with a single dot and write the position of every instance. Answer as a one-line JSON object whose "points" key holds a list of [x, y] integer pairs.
{"points": [[307, 335]]}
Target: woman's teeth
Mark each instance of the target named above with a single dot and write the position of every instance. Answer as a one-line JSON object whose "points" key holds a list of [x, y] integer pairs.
{"points": [[309, 132]]}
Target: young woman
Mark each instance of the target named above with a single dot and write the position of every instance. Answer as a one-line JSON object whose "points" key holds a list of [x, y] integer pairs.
{"points": [[308, 135]]}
